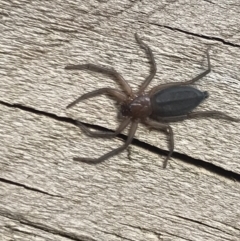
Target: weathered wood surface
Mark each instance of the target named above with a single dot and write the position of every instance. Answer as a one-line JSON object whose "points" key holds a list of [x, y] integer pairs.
{"points": [[44, 195]]}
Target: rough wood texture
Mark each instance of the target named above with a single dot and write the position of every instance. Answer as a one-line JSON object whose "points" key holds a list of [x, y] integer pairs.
{"points": [[44, 195]]}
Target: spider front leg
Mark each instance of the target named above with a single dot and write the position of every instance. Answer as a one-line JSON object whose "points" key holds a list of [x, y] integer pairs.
{"points": [[109, 71], [131, 134], [118, 95], [167, 129], [105, 134], [152, 62]]}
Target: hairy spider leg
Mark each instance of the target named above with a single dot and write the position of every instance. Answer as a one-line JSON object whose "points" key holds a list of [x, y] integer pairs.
{"points": [[120, 96], [199, 114], [168, 129], [131, 134], [213, 114], [110, 71], [189, 82], [105, 134], [152, 63]]}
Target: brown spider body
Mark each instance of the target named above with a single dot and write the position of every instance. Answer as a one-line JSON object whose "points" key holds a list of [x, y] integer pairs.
{"points": [[163, 103], [139, 107]]}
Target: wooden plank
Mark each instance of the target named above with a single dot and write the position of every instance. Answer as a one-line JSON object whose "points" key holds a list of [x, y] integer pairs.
{"points": [[129, 197], [12, 229], [34, 75]]}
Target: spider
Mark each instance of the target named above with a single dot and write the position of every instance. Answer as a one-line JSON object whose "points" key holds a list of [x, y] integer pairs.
{"points": [[156, 108]]}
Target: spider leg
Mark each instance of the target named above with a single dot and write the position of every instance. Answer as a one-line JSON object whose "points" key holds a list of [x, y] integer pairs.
{"points": [[131, 134], [120, 96], [105, 70], [164, 86], [212, 114], [105, 134], [167, 129], [199, 114], [152, 62], [204, 73]]}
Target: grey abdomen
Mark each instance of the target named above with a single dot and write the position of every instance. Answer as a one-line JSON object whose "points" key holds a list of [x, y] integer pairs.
{"points": [[176, 101]]}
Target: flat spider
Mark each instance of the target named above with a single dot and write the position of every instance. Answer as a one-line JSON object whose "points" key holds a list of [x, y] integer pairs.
{"points": [[163, 103]]}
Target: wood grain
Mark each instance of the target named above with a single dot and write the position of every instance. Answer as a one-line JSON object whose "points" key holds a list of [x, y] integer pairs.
{"points": [[44, 194]]}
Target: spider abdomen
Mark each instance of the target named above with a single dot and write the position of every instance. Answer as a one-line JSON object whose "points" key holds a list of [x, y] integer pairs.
{"points": [[176, 101]]}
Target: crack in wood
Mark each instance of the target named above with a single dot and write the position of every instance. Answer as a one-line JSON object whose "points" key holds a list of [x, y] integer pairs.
{"points": [[39, 226], [196, 35], [27, 187], [187, 159]]}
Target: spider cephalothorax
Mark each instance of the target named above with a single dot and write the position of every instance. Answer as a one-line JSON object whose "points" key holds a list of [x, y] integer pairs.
{"points": [[137, 108]]}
